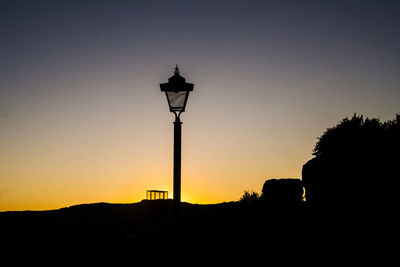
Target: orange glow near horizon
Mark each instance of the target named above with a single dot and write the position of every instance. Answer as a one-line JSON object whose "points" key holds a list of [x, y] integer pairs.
{"points": [[83, 120], [63, 156], [38, 185]]}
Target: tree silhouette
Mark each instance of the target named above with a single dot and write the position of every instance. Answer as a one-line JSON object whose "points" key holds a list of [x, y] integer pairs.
{"points": [[354, 169], [351, 186]]}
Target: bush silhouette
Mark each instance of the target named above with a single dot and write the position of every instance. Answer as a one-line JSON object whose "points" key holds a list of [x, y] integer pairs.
{"points": [[249, 197]]}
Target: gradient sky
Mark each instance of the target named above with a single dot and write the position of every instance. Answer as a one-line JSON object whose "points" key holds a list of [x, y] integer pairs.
{"points": [[82, 118]]}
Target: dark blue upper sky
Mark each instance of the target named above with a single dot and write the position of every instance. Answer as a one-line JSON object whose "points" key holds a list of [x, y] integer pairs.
{"points": [[68, 36]]}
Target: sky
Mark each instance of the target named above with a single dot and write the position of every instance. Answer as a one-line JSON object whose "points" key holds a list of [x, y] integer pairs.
{"points": [[83, 120]]}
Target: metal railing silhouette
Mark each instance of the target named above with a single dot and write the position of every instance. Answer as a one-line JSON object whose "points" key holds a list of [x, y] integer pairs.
{"points": [[156, 194]]}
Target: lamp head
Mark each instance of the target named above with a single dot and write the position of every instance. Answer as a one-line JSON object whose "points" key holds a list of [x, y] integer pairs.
{"points": [[177, 92]]}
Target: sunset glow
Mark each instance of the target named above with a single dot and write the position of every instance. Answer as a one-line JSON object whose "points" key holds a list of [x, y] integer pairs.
{"points": [[83, 119]]}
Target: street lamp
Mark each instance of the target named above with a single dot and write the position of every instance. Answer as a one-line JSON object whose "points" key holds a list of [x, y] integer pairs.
{"points": [[177, 93]]}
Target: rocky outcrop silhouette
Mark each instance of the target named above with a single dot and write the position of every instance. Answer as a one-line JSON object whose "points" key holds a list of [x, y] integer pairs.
{"points": [[283, 190]]}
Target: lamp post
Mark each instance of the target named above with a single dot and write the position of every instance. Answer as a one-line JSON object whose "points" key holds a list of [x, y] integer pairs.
{"points": [[177, 93]]}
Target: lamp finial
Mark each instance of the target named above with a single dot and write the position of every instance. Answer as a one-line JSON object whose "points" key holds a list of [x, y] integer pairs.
{"points": [[176, 72]]}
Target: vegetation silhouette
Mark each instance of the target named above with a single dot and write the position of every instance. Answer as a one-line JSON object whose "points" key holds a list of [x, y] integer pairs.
{"points": [[341, 206], [249, 196]]}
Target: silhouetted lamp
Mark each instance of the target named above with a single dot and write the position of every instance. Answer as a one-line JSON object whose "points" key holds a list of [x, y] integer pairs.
{"points": [[177, 92]]}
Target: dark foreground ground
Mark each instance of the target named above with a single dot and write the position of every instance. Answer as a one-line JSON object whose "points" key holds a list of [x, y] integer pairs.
{"points": [[143, 234]]}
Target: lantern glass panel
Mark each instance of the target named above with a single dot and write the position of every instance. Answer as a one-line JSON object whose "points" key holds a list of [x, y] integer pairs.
{"points": [[176, 100]]}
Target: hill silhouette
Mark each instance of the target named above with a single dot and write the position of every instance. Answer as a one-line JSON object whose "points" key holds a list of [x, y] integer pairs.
{"points": [[143, 234]]}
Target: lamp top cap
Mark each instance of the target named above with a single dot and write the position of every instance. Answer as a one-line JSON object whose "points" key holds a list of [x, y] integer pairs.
{"points": [[176, 83]]}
